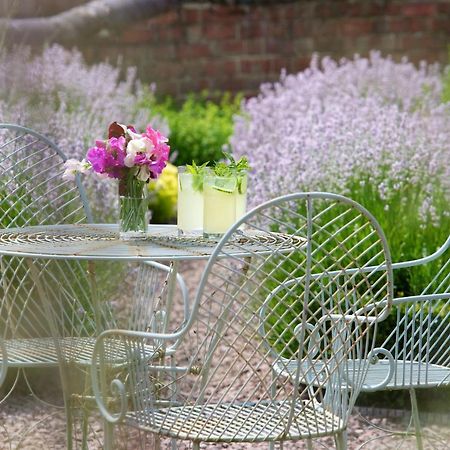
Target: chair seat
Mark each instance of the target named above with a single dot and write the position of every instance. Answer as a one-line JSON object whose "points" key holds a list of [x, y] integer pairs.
{"points": [[250, 422], [407, 373], [42, 352]]}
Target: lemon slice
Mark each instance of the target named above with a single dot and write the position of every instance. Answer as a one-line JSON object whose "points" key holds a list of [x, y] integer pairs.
{"points": [[222, 189]]}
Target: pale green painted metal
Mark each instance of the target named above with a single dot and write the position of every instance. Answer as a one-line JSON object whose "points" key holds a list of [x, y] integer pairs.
{"points": [[417, 351], [227, 391]]}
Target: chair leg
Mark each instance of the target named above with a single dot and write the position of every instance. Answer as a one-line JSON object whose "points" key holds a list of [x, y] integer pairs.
{"points": [[341, 440], [108, 430], [416, 419], [69, 423]]}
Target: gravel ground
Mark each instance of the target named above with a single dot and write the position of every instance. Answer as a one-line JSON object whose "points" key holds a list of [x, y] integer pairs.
{"points": [[26, 423]]}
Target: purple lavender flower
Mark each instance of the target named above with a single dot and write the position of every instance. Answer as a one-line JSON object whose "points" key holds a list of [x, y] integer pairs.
{"points": [[58, 94], [366, 122]]}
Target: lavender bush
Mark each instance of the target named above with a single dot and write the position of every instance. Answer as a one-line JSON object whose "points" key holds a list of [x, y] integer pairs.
{"points": [[58, 94], [372, 129]]}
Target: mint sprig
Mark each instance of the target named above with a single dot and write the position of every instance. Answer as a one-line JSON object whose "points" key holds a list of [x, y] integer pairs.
{"points": [[233, 167], [198, 173]]}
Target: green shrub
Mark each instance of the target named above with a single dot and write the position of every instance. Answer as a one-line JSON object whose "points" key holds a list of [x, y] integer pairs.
{"points": [[199, 126]]}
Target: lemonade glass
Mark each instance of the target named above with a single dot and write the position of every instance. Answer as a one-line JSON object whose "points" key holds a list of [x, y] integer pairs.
{"points": [[241, 194], [219, 204], [190, 202]]}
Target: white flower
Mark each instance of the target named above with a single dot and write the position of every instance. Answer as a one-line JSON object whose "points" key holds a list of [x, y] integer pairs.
{"points": [[143, 173], [133, 135], [135, 146], [73, 167]]}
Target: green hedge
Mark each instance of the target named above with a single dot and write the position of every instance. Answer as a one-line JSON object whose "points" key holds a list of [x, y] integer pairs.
{"points": [[200, 126]]}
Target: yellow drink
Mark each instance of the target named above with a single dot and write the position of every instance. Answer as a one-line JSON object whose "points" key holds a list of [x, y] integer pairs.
{"points": [[190, 204], [219, 204], [241, 195]]}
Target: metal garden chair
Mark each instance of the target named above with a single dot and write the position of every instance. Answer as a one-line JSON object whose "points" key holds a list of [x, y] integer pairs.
{"points": [[419, 345], [416, 353], [274, 292], [32, 192]]}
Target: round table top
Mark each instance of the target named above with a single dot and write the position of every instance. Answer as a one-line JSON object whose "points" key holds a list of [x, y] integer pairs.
{"points": [[101, 241]]}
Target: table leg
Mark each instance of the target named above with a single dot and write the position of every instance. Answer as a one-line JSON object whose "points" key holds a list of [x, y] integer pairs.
{"points": [[65, 384]]}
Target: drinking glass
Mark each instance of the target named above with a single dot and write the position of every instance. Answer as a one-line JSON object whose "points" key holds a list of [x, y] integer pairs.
{"points": [[241, 194], [190, 202], [219, 204]]}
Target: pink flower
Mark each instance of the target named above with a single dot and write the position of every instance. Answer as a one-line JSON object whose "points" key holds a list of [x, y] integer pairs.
{"points": [[97, 157], [117, 151], [145, 154], [155, 136]]}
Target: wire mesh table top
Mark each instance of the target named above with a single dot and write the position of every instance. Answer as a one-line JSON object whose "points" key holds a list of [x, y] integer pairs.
{"points": [[101, 241]]}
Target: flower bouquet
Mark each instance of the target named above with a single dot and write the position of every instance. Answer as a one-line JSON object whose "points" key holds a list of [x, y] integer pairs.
{"points": [[134, 159]]}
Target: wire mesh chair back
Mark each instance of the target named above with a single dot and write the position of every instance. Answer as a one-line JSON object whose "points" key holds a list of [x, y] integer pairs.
{"points": [[276, 291], [33, 192], [419, 342]]}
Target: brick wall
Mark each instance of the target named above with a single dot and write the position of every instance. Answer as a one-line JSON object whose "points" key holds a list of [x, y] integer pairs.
{"points": [[203, 46]]}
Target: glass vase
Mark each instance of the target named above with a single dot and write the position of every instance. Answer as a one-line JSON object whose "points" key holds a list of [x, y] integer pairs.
{"points": [[133, 206]]}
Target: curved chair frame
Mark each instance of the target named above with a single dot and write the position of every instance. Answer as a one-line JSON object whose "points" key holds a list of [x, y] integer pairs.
{"points": [[342, 320]]}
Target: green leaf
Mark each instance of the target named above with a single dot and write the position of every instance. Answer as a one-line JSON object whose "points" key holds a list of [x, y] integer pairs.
{"points": [[198, 173]]}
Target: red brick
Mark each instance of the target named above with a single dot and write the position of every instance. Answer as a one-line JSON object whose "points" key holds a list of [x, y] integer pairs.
{"points": [[194, 51], [370, 8], [419, 41], [278, 30], [167, 87], [169, 70], [214, 13], [440, 24], [290, 10], [168, 18], [357, 27], [190, 15], [419, 9], [171, 33], [250, 29], [444, 8], [194, 33], [220, 30], [333, 9], [278, 46], [396, 24], [300, 28], [255, 66], [220, 68], [254, 46], [233, 46], [393, 9], [298, 64], [138, 36], [232, 84], [328, 27], [277, 64]]}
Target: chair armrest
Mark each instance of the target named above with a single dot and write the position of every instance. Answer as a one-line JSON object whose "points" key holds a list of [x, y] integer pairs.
{"points": [[421, 298], [108, 346]]}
